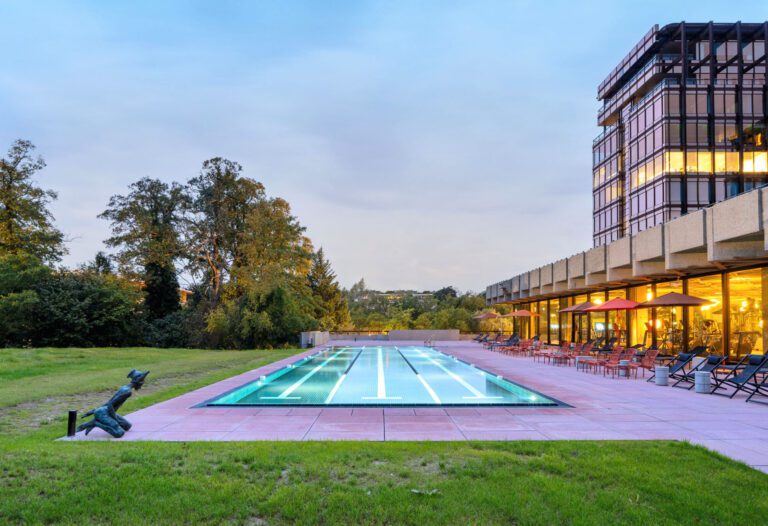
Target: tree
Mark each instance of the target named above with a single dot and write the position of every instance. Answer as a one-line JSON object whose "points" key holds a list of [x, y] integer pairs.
{"points": [[85, 310], [26, 224], [161, 287], [19, 274], [218, 206], [146, 229], [39, 307], [332, 308], [273, 251], [445, 293], [358, 290], [101, 264]]}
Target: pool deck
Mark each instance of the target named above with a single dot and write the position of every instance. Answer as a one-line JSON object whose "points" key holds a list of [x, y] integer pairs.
{"points": [[603, 409]]}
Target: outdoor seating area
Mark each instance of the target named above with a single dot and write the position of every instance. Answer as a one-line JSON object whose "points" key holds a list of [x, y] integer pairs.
{"points": [[748, 376]]}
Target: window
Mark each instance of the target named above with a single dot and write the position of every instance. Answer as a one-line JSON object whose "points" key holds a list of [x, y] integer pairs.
{"points": [[673, 162], [705, 323], [669, 320], [747, 300]]}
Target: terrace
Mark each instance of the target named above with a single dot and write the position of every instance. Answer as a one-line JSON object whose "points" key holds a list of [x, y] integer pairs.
{"points": [[602, 408]]}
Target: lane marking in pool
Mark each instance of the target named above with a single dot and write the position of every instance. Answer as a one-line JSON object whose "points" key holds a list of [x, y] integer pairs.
{"points": [[342, 378], [434, 396], [285, 394], [477, 394], [381, 387]]}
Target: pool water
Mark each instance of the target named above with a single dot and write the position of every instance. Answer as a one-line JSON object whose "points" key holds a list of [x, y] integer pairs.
{"points": [[381, 376]]}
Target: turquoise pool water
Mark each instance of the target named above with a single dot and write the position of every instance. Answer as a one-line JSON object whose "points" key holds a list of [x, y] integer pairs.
{"points": [[381, 376]]}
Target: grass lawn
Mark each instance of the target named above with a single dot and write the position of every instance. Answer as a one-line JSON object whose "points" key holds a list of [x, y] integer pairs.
{"points": [[42, 481]]}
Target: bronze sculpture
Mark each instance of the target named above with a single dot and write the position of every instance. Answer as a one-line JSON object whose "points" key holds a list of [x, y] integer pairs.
{"points": [[105, 417]]}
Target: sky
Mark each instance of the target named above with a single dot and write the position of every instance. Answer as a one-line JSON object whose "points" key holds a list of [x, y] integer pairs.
{"points": [[422, 143]]}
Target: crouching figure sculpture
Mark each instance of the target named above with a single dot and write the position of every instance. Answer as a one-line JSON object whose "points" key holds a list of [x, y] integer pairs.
{"points": [[105, 417]]}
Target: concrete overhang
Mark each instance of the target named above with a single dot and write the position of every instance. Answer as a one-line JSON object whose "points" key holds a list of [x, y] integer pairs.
{"points": [[576, 271], [735, 228], [619, 260], [595, 266]]}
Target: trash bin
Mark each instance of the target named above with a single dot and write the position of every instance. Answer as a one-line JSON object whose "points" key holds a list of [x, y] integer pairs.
{"points": [[703, 382], [662, 375]]}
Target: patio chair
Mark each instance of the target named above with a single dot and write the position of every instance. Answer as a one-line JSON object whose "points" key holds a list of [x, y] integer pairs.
{"points": [[646, 363], [676, 365], [743, 377], [616, 366], [554, 351], [710, 365], [614, 357]]}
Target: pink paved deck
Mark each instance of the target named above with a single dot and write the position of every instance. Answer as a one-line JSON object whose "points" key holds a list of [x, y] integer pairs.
{"points": [[603, 409]]}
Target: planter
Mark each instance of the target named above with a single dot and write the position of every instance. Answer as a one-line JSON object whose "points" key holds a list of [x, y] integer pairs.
{"points": [[703, 382], [662, 375]]}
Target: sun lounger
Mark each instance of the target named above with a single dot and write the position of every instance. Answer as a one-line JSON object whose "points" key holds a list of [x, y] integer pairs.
{"points": [[743, 377]]}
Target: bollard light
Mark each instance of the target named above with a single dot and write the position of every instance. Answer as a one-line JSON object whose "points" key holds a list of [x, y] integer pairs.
{"points": [[71, 423]]}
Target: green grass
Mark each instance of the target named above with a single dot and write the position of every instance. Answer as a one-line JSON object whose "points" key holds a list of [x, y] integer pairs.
{"points": [[43, 481]]}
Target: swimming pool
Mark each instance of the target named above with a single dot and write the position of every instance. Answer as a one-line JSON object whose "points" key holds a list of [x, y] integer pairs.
{"points": [[381, 376]]}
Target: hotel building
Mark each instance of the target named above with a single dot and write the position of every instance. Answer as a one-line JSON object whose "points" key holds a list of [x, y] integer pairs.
{"points": [[679, 199]]}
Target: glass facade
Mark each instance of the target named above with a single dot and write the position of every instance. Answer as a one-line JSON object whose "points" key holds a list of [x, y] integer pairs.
{"points": [[732, 321], [688, 129], [746, 311]]}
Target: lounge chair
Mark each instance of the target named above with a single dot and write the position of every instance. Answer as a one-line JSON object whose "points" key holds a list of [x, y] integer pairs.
{"points": [[676, 365], [710, 365], [762, 390], [743, 377], [506, 343]]}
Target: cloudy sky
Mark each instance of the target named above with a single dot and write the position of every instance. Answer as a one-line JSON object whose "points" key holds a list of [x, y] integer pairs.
{"points": [[422, 143]]}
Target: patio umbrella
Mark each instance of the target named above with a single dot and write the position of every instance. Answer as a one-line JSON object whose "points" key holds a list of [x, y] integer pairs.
{"points": [[578, 309], [520, 314], [614, 304], [486, 316], [674, 299]]}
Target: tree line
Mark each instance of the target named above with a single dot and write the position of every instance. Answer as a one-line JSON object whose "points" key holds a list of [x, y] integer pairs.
{"points": [[256, 278], [372, 310]]}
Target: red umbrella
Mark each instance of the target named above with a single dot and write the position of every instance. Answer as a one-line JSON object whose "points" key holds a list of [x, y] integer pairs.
{"points": [[674, 299], [486, 316], [520, 314], [614, 304], [578, 309]]}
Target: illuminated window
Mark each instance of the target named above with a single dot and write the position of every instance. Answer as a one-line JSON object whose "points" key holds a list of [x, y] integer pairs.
{"points": [[673, 162], [705, 323], [755, 162], [747, 299], [669, 320], [720, 162], [705, 162]]}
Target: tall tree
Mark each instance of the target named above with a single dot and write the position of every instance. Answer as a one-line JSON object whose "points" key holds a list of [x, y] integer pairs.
{"points": [[332, 308], [219, 205], [273, 249], [146, 229], [26, 224]]}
